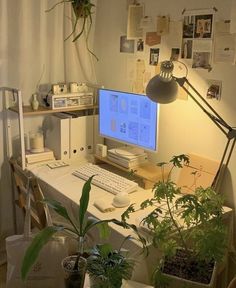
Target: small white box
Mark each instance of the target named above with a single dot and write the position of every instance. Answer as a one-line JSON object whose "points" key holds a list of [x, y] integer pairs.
{"points": [[101, 150]]}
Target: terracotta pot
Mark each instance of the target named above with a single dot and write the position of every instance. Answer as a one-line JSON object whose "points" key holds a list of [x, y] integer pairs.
{"points": [[74, 278]]}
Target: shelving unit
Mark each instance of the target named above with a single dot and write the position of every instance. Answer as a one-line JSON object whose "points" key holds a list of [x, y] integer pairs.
{"points": [[28, 111], [24, 111]]}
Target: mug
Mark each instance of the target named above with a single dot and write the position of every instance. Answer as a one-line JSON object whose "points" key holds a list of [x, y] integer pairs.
{"points": [[74, 87]]}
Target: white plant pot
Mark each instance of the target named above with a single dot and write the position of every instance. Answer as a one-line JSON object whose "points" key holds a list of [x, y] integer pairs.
{"points": [[176, 282]]}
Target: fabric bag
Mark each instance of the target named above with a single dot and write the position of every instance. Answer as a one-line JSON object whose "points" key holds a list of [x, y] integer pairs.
{"points": [[47, 271]]}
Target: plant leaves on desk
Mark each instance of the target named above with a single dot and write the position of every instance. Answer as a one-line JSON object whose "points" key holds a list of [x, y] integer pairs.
{"points": [[84, 200]]}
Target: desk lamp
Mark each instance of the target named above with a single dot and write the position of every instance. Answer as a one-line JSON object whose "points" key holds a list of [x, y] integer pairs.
{"points": [[162, 89]]}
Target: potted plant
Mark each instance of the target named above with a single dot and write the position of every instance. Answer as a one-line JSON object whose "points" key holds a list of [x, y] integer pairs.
{"points": [[107, 267], [74, 266], [187, 229], [83, 10]]}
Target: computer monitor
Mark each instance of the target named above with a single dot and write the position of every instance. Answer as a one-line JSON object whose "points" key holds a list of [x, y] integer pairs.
{"points": [[128, 118]]}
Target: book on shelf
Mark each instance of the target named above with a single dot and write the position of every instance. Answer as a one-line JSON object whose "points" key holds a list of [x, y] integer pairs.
{"points": [[45, 155]]}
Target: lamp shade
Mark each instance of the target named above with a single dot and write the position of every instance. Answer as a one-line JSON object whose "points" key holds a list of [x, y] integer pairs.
{"points": [[163, 88]]}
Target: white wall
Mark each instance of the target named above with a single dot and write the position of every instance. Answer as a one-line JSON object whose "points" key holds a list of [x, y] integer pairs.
{"points": [[183, 127]]}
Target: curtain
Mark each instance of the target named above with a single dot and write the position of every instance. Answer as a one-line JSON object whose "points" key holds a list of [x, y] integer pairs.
{"points": [[33, 52]]}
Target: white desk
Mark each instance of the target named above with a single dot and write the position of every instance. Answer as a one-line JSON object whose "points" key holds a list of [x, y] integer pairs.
{"points": [[66, 188], [61, 185]]}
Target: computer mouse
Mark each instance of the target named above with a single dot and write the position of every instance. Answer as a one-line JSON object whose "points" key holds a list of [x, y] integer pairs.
{"points": [[121, 200]]}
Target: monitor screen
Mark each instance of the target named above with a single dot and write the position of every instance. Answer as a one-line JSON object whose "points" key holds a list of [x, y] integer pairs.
{"points": [[128, 118]]}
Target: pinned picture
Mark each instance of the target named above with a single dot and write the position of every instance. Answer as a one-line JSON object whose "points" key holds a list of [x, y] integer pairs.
{"points": [[152, 39], [140, 45], [214, 90], [154, 56], [201, 60], [186, 50], [174, 54], [126, 46], [188, 25], [203, 26]]}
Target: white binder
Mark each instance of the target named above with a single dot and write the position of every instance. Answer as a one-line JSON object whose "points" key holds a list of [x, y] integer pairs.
{"points": [[70, 137], [81, 136], [58, 136]]}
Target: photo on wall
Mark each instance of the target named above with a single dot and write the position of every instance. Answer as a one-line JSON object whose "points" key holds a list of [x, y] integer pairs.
{"points": [[203, 26], [174, 54], [186, 49], [140, 45], [201, 60], [154, 56], [188, 26], [214, 89], [126, 46], [197, 28]]}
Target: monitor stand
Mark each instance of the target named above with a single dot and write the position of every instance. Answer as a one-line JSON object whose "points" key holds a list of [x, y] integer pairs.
{"points": [[149, 173]]}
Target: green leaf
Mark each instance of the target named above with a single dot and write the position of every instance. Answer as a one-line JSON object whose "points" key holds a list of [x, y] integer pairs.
{"points": [[104, 231], [61, 210], [147, 203], [84, 200], [57, 207], [125, 215], [105, 249], [35, 247], [179, 160]]}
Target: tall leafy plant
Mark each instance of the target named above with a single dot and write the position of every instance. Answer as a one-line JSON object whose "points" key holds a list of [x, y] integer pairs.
{"points": [[78, 228], [190, 223]]}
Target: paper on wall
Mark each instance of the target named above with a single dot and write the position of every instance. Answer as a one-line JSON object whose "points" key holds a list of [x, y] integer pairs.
{"points": [[152, 39], [163, 25], [135, 15], [224, 50], [146, 23], [233, 17], [222, 27], [202, 45], [173, 38], [138, 85], [130, 69], [224, 45]]}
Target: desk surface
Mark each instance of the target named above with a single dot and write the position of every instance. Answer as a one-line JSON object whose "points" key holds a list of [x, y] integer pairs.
{"points": [[69, 187]]}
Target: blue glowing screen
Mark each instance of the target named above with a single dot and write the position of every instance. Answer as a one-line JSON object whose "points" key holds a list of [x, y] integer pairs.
{"points": [[129, 118]]}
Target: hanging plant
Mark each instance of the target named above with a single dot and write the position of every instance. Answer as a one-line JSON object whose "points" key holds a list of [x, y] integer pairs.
{"points": [[83, 10]]}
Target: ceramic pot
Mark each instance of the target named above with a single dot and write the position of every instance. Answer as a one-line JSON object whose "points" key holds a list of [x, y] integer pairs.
{"points": [[74, 278], [177, 282], [34, 102]]}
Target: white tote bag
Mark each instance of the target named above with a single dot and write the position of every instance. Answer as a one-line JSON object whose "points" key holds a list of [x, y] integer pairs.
{"points": [[47, 271]]}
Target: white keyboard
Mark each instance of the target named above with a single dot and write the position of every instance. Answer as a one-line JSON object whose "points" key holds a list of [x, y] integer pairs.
{"points": [[105, 179]]}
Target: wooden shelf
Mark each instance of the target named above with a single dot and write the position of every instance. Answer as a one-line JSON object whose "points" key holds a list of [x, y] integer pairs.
{"points": [[28, 111], [149, 173]]}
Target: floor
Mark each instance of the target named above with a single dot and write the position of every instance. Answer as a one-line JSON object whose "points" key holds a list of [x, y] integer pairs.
{"points": [[3, 271]]}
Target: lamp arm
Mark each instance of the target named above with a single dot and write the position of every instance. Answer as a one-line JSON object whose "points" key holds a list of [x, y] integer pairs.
{"points": [[219, 122], [214, 116]]}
